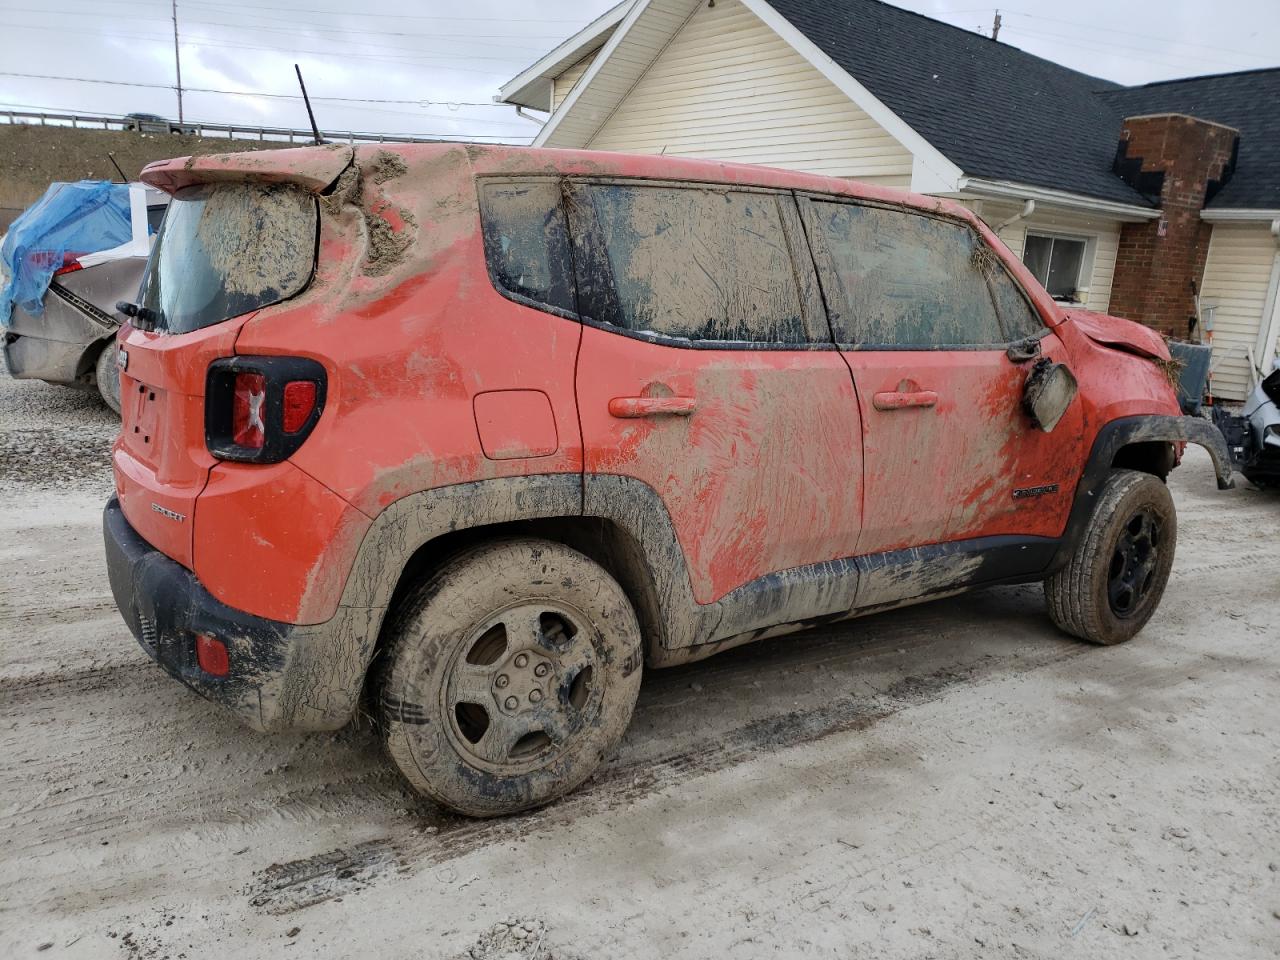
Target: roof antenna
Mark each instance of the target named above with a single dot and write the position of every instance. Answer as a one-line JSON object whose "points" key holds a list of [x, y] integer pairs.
{"points": [[307, 100], [995, 27], [112, 158]]}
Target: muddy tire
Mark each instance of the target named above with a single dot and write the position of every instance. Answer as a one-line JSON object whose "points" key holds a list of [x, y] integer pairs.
{"points": [[1115, 578], [509, 676], [107, 375]]}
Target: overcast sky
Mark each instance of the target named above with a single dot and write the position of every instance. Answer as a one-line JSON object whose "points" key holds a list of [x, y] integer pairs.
{"points": [[439, 62]]}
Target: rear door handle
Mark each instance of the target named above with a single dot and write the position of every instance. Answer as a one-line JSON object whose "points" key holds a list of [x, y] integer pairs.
{"points": [[628, 408], [898, 400]]}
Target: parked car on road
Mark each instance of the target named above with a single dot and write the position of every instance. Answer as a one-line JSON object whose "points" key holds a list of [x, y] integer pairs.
{"points": [[73, 272], [483, 432]]}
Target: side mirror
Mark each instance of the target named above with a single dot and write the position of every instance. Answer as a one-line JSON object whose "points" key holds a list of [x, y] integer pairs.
{"points": [[1048, 392]]}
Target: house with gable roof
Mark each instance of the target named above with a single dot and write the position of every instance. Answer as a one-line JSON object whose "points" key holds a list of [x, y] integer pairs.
{"points": [[1159, 202]]}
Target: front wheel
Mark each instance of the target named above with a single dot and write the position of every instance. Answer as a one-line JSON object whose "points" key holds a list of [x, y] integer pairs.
{"points": [[510, 675], [1117, 573]]}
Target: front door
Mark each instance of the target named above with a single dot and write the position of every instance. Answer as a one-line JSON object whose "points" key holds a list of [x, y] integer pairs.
{"points": [[707, 373], [924, 312]]}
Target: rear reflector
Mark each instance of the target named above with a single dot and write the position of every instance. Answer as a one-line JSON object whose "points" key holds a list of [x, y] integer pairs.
{"points": [[299, 401], [247, 427], [211, 654]]}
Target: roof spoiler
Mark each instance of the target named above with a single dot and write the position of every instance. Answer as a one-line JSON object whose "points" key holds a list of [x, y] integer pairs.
{"points": [[311, 168]]}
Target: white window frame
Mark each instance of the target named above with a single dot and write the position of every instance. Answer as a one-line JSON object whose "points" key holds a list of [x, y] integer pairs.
{"points": [[1085, 279]]}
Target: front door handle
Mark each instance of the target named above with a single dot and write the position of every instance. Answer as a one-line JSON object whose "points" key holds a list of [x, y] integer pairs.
{"points": [[628, 408], [900, 399]]}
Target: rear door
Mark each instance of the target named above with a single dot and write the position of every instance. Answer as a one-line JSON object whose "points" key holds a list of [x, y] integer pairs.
{"points": [[707, 372], [924, 312], [225, 251]]}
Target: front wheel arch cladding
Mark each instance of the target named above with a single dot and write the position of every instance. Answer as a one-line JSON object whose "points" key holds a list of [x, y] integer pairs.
{"points": [[1111, 439]]}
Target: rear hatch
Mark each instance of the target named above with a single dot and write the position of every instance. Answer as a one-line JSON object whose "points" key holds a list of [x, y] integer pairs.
{"points": [[240, 235]]}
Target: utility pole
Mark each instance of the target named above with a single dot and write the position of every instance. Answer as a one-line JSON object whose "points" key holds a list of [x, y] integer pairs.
{"points": [[995, 27], [177, 59]]}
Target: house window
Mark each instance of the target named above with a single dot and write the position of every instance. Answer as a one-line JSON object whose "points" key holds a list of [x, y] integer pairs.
{"points": [[1057, 262]]}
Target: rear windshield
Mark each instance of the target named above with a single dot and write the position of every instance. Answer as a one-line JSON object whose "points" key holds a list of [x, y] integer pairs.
{"points": [[227, 249]]}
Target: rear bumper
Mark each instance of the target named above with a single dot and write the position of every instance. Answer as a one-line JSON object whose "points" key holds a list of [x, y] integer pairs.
{"points": [[35, 358], [277, 679]]}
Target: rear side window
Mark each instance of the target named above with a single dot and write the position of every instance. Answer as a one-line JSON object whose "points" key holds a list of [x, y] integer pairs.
{"points": [[526, 242], [698, 264], [225, 250], [894, 278]]}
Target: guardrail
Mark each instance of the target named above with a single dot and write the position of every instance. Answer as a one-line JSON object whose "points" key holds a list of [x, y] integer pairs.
{"points": [[199, 128]]}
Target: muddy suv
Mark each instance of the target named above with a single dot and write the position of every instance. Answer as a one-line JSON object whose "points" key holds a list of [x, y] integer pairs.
{"points": [[479, 434]]}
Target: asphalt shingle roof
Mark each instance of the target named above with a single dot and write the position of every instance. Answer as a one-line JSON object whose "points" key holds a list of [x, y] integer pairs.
{"points": [[1250, 102], [1000, 113]]}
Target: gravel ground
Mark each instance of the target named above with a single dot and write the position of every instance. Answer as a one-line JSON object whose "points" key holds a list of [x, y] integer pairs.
{"points": [[953, 780]]}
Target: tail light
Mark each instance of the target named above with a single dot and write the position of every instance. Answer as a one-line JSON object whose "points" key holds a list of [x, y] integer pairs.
{"points": [[261, 409], [248, 397], [70, 264]]}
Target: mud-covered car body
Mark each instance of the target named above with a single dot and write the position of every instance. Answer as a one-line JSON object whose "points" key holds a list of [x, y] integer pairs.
{"points": [[63, 341], [1253, 435], [504, 341]]}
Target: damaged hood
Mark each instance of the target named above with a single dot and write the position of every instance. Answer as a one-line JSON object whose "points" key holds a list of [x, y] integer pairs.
{"points": [[1120, 334], [311, 168]]}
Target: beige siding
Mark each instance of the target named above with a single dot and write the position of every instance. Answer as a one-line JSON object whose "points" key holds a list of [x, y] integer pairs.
{"points": [[1236, 277], [562, 84], [728, 88], [1103, 235]]}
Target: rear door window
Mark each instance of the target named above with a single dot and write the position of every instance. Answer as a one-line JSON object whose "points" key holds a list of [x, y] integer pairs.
{"points": [[228, 249], [526, 242], [695, 263], [898, 279]]}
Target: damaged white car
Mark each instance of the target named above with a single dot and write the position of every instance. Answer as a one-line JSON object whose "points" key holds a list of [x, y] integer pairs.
{"points": [[65, 263]]}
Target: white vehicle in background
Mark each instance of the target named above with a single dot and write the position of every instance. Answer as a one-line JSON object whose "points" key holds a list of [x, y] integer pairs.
{"points": [[68, 342]]}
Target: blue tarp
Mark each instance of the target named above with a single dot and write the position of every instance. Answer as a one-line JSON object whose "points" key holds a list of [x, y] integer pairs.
{"points": [[75, 218]]}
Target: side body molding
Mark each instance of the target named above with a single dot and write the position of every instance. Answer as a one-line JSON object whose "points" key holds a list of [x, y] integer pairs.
{"points": [[791, 599], [327, 662]]}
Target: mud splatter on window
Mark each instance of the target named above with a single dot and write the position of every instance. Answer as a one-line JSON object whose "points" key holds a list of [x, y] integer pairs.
{"points": [[1017, 317], [898, 279], [227, 249], [526, 242], [699, 264]]}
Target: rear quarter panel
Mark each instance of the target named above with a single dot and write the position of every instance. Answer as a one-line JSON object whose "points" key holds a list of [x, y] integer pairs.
{"points": [[410, 330]]}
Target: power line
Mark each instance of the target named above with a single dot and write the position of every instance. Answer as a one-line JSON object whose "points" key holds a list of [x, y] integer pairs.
{"points": [[296, 28], [252, 93], [1104, 46], [401, 54], [1142, 36], [216, 4], [93, 116], [388, 16]]}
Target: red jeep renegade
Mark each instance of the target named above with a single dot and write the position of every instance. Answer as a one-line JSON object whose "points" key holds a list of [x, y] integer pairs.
{"points": [[487, 430]]}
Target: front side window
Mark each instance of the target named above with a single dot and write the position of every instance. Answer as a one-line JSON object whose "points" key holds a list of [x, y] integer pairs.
{"points": [[895, 278], [228, 249], [1056, 262], [698, 264], [526, 241]]}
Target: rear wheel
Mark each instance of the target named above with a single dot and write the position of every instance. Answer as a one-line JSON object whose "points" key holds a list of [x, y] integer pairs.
{"points": [[107, 375], [1115, 578], [510, 676]]}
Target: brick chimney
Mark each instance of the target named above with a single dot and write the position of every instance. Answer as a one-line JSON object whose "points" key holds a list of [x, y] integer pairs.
{"points": [[1179, 162]]}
